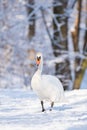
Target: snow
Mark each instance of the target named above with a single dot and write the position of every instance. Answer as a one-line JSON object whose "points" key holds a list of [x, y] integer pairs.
{"points": [[20, 109]]}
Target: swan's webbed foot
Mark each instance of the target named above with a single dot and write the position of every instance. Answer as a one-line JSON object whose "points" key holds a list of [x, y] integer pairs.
{"points": [[43, 110]]}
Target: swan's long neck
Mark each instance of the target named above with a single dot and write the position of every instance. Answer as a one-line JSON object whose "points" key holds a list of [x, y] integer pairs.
{"points": [[40, 67]]}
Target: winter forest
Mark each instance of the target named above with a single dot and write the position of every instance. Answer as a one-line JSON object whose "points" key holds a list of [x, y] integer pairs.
{"points": [[57, 29]]}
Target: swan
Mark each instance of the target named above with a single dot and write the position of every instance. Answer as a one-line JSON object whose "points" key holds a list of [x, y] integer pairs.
{"points": [[47, 87]]}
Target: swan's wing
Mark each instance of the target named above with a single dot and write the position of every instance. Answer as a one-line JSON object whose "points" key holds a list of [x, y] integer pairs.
{"points": [[49, 79], [53, 85]]}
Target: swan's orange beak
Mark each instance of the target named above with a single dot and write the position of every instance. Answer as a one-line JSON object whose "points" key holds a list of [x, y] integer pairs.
{"points": [[37, 61]]}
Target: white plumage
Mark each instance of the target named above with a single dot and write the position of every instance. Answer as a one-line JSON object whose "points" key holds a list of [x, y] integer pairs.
{"points": [[47, 87]]}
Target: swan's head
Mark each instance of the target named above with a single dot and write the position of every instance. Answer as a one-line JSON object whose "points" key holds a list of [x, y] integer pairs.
{"points": [[39, 58]]}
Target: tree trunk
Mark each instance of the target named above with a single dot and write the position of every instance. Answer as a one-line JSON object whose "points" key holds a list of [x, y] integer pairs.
{"points": [[31, 27], [60, 36], [85, 44], [60, 33], [85, 41], [75, 33], [80, 73]]}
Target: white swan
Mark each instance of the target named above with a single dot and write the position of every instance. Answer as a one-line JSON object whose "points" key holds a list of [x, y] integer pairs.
{"points": [[47, 87]]}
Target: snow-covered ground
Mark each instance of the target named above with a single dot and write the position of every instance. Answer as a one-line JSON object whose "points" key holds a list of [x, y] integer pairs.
{"points": [[20, 110]]}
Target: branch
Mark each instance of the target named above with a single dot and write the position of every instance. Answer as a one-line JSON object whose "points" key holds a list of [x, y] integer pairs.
{"points": [[71, 3], [45, 23], [44, 20]]}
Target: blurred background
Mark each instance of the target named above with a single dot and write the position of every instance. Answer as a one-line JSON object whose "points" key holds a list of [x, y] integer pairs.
{"points": [[57, 28]]}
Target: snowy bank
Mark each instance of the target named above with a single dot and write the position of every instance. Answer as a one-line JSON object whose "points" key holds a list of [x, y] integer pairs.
{"points": [[20, 110]]}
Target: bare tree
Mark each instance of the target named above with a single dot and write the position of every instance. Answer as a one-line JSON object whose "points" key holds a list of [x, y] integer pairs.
{"points": [[59, 27], [75, 33], [60, 30], [85, 38], [31, 28], [82, 62]]}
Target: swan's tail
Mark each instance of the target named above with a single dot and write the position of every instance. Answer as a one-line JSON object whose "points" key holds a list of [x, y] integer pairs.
{"points": [[63, 98]]}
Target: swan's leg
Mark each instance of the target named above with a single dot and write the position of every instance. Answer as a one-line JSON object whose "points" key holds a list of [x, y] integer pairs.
{"points": [[42, 106], [52, 103]]}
